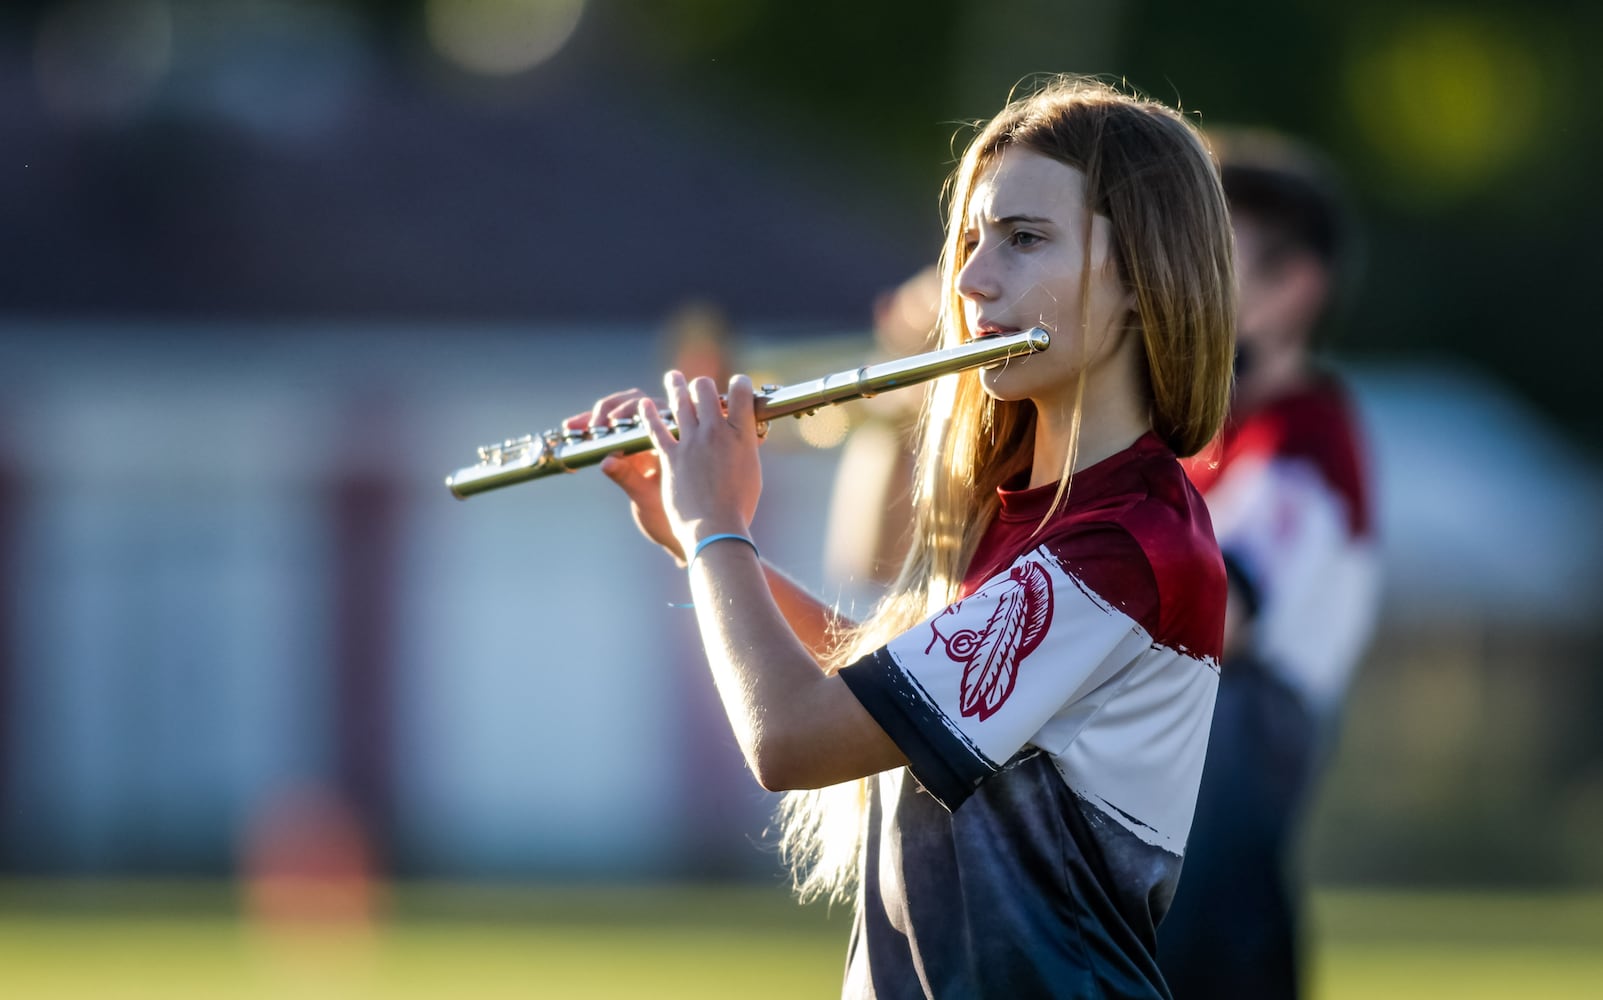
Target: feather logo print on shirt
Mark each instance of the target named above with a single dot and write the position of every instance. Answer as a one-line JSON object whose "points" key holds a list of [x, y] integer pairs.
{"points": [[991, 657]]}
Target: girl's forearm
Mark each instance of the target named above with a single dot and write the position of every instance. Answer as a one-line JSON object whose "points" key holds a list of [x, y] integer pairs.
{"points": [[796, 727]]}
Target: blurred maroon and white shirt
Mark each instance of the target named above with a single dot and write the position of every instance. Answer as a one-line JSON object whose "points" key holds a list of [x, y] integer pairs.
{"points": [[1287, 488]]}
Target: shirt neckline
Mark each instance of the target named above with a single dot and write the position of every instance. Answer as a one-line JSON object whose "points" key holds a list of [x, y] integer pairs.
{"points": [[1088, 484]]}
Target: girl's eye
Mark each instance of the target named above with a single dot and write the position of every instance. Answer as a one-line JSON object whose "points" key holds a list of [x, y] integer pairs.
{"points": [[1023, 239]]}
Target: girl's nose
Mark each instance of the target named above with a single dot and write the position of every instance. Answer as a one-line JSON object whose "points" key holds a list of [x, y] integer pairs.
{"points": [[977, 279]]}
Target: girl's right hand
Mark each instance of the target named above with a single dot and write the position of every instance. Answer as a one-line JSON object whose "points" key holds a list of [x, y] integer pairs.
{"points": [[638, 475]]}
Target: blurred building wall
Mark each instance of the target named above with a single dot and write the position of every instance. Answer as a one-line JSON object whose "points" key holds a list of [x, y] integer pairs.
{"points": [[197, 638]]}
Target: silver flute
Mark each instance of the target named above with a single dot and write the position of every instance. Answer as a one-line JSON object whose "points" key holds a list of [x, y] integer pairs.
{"points": [[534, 456]]}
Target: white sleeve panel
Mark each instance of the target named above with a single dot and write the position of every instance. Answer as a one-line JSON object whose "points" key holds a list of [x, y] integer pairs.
{"points": [[1003, 661], [1035, 658]]}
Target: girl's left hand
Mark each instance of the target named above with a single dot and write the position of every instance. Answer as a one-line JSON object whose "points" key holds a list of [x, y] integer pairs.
{"points": [[711, 476]]}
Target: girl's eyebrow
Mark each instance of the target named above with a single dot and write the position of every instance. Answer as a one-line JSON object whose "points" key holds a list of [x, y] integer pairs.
{"points": [[1009, 220]]}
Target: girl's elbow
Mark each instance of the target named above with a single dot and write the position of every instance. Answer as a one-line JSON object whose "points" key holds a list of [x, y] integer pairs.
{"points": [[782, 765], [772, 782], [774, 775]]}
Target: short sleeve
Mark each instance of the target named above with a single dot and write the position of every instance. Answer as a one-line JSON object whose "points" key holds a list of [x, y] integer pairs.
{"points": [[1313, 584], [963, 692]]}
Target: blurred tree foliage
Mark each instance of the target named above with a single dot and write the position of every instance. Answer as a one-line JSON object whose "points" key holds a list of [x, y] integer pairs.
{"points": [[1467, 132]]}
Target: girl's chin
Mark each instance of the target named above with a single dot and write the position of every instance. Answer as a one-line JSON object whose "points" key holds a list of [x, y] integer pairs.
{"points": [[1004, 385]]}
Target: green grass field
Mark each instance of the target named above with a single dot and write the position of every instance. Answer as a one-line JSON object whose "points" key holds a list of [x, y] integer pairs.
{"points": [[176, 942]]}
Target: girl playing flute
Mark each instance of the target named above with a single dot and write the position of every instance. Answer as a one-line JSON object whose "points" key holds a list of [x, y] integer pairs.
{"points": [[1000, 764]]}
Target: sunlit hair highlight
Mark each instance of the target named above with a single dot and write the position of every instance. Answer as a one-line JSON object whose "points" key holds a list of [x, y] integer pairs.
{"points": [[1149, 173]]}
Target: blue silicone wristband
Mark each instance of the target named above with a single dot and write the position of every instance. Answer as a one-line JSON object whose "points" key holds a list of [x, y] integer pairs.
{"points": [[718, 538]]}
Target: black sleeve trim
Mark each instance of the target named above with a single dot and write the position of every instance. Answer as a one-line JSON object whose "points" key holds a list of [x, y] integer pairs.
{"points": [[1241, 583], [944, 762]]}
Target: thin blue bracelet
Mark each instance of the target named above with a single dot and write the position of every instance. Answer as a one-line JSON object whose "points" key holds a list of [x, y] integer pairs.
{"points": [[718, 538]]}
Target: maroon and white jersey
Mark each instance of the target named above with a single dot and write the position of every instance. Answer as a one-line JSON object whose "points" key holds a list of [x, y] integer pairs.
{"points": [[1287, 489], [1055, 720]]}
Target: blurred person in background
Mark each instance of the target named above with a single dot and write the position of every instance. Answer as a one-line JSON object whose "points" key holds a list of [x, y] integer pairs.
{"points": [[1001, 763], [699, 340], [1287, 487], [871, 505]]}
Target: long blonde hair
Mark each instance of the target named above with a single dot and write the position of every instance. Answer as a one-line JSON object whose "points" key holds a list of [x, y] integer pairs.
{"points": [[1149, 173]]}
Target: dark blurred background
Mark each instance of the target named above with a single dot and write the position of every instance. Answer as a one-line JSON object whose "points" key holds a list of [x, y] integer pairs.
{"points": [[271, 268]]}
